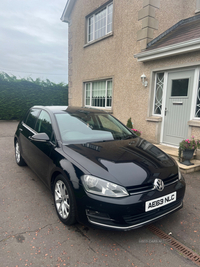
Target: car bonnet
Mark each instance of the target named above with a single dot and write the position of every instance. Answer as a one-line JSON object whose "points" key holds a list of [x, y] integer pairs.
{"points": [[130, 162]]}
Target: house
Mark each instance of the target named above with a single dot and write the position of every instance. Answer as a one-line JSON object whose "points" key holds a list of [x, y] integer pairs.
{"points": [[138, 59]]}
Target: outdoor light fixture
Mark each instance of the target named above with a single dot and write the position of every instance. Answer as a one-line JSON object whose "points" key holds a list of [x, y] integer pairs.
{"points": [[143, 79]]}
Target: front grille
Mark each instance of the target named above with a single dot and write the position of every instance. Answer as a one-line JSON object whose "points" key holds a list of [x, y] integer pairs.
{"points": [[171, 179], [148, 187], [138, 189]]}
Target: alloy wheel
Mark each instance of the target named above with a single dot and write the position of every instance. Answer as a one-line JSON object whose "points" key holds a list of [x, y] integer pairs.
{"points": [[62, 199]]}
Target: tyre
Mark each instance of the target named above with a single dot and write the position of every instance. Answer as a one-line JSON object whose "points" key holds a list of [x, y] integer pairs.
{"points": [[19, 160], [64, 200]]}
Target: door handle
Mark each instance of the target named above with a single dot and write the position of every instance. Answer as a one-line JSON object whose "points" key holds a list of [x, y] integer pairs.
{"points": [[166, 111]]}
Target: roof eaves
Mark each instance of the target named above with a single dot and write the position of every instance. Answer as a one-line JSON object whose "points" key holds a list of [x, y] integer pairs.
{"points": [[183, 21], [170, 50], [67, 11]]}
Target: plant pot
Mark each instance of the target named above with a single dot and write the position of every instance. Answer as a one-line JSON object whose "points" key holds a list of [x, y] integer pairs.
{"points": [[198, 154], [187, 155]]}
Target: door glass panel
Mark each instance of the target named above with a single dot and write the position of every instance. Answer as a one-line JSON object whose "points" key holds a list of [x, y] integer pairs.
{"points": [[180, 87], [44, 124], [32, 117], [159, 93], [197, 114]]}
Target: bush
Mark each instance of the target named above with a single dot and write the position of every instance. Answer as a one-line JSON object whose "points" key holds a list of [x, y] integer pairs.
{"points": [[18, 95], [129, 123]]}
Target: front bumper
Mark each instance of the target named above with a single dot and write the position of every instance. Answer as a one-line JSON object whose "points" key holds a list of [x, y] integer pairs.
{"points": [[129, 212]]}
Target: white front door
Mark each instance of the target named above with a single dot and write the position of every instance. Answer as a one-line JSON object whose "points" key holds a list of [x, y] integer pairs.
{"points": [[178, 106]]}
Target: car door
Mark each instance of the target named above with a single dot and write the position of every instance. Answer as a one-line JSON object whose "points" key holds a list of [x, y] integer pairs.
{"points": [[26, 131], [42, 149]]}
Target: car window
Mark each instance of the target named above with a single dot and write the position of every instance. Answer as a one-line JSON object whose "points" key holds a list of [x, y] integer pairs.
{"points": [[107, 123], [32, 117], [83, 127], [44, 124]]}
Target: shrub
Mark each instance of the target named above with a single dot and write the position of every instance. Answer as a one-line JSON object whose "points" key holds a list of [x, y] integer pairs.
{"points": [[129, 123]]}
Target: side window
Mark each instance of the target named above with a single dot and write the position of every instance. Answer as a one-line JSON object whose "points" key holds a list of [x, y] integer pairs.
{"points": [[44, 124], [32, 117]]}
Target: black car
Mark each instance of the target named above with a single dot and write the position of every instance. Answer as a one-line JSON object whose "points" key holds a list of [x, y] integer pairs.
{"points": [[100, 173]]}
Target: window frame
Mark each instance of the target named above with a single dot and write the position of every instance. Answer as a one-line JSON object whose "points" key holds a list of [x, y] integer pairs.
{"points": [[25, 121], [197, 97], [93, 15], [106, 94], [196, 91]]}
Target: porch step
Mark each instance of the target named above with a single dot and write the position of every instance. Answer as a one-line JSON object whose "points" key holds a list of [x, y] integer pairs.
{"points": [[173, 152]]}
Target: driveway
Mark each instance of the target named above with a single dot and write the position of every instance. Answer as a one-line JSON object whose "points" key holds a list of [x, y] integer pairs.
{"points": [[32, 235]]}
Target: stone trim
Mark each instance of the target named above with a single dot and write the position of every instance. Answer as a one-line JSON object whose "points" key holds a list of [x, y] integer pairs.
{"points": [[149, 22], [154, 119], [195, 123], [197, 6], [145, 33], [154, 3], [147, 11]]}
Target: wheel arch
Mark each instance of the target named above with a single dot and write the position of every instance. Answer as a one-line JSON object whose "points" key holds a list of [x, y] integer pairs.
{"points": [[15, 140], [55, 174]]}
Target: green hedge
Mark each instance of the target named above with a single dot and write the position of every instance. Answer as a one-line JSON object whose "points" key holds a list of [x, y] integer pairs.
{"points": [[18, 95]]}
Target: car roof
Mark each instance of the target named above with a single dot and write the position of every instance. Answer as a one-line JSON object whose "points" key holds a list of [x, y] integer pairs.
{"points": [[69, 109]]}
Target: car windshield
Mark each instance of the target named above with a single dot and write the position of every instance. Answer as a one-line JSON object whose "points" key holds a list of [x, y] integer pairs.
{"points": [[83, 127]]}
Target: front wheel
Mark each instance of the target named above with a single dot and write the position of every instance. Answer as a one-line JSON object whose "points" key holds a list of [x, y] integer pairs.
{"points": [[20, 161], [64, 200]]}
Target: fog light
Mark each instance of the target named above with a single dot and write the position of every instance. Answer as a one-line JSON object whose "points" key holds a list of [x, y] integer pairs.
{"points": [[97, 214]]}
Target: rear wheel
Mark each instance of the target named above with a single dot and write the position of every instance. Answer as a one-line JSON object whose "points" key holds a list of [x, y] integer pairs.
{"points": [[19, 160], [64, 200]]}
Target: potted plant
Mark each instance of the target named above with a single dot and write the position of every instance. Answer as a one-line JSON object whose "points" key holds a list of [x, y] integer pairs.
{"points": [[138, 133], [186, 150], [130, 126]]}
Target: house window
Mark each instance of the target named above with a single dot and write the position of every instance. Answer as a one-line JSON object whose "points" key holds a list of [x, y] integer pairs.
{"points": [[197, 113], [99, 24], [98, 94], [158, 93]]}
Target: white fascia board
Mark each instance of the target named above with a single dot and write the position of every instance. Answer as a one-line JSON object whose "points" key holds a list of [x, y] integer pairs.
{"points": [[67, 11], [171, 50]]}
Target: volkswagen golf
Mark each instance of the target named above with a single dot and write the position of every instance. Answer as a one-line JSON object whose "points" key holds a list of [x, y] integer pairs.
{"points": [[99, 172]]}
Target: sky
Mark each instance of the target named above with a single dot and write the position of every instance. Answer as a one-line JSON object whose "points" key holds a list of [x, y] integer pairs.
{"points": [[33, 39]]}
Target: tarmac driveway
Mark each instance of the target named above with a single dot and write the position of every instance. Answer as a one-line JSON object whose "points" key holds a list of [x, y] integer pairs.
{"points": [[32, 235]]}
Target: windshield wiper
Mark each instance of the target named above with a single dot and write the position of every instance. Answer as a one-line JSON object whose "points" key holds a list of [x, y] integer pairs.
{"points": [[127, 137]]}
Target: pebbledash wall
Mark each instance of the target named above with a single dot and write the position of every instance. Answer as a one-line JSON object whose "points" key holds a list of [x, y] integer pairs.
{"points": [[135, 23]]}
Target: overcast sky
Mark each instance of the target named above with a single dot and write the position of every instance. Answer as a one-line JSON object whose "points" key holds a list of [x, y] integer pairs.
{"points": [[33, 39]]}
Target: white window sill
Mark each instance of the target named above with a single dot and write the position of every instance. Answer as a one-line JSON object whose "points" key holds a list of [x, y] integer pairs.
{"points": [[98, 40]]}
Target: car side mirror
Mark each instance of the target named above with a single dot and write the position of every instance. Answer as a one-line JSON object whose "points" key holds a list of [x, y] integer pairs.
{"points": [[42, 137]]}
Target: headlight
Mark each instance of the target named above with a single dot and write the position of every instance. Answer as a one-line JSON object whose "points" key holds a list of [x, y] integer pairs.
{"points": [[101, 187], [179, 173]]}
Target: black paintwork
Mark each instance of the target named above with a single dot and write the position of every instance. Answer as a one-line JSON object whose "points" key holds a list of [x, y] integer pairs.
{"points": [[133, 163]]}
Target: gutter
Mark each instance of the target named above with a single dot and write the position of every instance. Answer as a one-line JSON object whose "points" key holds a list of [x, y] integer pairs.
{"points": [[67, 11], [170, 50]]}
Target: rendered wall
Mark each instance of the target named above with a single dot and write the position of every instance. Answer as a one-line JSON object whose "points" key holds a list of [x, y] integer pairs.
{"points": [[113, 57]]}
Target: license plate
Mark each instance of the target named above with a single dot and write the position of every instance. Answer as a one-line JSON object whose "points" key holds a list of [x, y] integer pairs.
{"points": [[159, 202]]}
